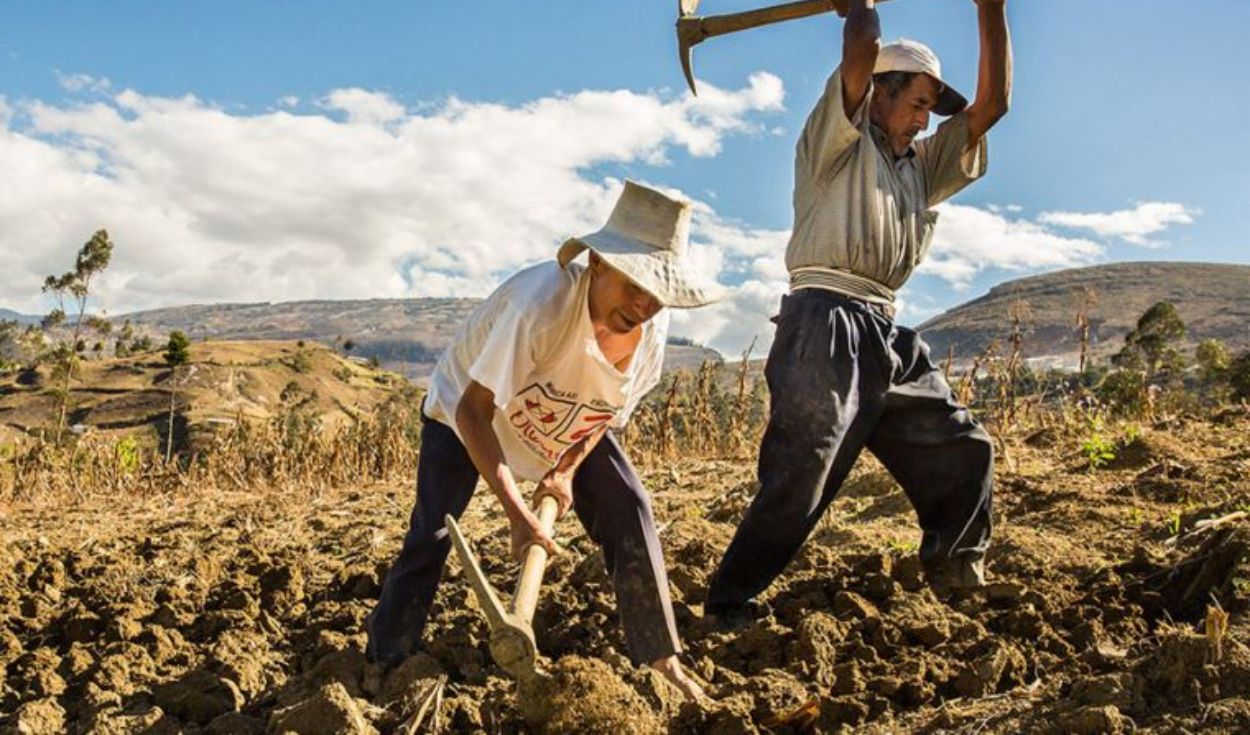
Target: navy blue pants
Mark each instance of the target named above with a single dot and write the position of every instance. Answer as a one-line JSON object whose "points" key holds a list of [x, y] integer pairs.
{"points": [[608, 499], [842, 377]]}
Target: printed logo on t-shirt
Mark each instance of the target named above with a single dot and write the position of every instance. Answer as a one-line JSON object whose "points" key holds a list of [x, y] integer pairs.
{"points": [[587, 421], [548, 425], [543, 410]]}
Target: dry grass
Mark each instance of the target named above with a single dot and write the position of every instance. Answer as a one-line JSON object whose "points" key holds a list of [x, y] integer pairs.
{"points": [[714, 412], [290, 451]]}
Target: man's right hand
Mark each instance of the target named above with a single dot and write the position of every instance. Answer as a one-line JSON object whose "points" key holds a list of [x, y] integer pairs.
{"points": [[527, 531]]}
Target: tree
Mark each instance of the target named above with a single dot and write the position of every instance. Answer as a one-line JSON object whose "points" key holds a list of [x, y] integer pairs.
{"points": [[92, 259], [1239, 377], [102, 327], [9, 346], [176, 355], [1213, 360], [1151, 346], [121, 346]]}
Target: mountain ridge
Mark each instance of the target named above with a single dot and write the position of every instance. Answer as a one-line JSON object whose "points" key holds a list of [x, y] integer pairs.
{"points": [[1212, 298]]}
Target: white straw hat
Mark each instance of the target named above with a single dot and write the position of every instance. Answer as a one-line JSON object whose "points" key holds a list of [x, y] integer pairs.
{"points": [[917, 58], [646, 239]]}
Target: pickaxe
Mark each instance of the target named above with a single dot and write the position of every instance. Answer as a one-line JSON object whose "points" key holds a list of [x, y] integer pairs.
{"points": [[511, 629], [693, 29]]}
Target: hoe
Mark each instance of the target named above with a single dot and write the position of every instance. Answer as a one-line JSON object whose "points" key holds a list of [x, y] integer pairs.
{"points": [[511, 632]]}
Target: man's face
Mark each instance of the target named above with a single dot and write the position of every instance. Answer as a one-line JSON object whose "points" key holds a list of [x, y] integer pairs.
{"points": [[617, 302], [906, 115]]}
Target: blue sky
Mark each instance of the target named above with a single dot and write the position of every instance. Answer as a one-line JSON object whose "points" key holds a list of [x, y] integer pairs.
{"points": [[1123, 143]]}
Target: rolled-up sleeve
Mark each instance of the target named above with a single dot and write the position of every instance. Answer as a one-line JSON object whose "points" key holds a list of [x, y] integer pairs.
{"points": [[829, 134], [947, 161]]}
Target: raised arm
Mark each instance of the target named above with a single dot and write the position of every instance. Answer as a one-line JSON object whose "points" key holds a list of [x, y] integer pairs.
{"points": [[861, 41], [994, 73]]}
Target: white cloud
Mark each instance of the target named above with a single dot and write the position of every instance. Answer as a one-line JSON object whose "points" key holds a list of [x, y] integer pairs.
{"points": [[363, 106], [83, 83], [753, 260], [1130, 225], [969, 240], [364, 199]]}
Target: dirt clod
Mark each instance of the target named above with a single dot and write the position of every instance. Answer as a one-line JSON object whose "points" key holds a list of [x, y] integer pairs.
{"points": [[330, 711], [586, 695], [38, 717], [198, 696]]}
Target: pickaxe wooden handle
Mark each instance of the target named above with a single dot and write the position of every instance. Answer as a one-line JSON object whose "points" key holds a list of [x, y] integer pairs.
{"points": [[531, 578], [511, 632], [693, 30]]}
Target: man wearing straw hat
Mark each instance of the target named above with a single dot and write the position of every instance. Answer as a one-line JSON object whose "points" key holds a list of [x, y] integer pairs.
{"points": [[841, 375], [554, 360]]}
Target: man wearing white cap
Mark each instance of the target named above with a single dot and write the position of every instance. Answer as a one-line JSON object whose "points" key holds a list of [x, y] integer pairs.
{"points": [[841, 375], [558, 356]]}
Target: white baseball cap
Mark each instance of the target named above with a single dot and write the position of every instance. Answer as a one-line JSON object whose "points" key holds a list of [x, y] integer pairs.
{"points": [[917, 58]]}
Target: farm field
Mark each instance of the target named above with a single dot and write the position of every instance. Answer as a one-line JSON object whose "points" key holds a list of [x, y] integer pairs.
{"points": [[219, 611]]}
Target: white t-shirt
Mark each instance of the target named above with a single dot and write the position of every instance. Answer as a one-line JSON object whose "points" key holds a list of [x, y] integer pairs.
{"points": [[532, 344]]}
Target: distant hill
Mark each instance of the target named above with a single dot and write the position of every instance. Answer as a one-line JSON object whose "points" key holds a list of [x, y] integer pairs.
{"points": [[1212, 298], [405, 335], [7, 315], [224, 380]]}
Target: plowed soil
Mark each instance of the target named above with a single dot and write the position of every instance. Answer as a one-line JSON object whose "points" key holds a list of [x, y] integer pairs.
{"points": [[228, 613]]}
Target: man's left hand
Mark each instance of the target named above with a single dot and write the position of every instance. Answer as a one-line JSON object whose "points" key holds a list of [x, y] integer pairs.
{"points": [[558, 485]]}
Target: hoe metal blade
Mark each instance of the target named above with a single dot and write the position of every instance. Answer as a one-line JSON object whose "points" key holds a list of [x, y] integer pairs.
{"points": [[496, 613], [511, 637]]}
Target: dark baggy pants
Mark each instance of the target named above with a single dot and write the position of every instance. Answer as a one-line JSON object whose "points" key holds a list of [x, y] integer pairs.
{"points": [[842, 377], [608, 498]]}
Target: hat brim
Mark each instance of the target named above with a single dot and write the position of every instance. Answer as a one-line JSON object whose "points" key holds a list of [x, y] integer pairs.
{"points": [[949, 101], [663, 275]]}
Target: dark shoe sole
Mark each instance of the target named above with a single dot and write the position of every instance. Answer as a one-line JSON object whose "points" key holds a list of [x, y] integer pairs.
{"points": [[733, 618]]}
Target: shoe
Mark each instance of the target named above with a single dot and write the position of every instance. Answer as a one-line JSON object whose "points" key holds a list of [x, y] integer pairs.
{"points": [[957, 574], [733, 618]]}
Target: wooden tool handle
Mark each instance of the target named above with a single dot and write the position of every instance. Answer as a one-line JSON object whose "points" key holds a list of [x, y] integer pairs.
{"points": [[716, 25], [531, 577]]}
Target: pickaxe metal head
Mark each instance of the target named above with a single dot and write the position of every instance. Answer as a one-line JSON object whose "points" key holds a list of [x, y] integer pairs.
{"points": [[689, 34], [693, 30]]}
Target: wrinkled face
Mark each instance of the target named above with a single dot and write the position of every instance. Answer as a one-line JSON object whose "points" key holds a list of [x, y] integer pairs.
{"points": [[906, 115], [617, 302]]}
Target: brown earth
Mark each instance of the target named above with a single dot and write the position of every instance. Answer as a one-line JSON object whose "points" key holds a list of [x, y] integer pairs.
{"points": [[232, 613]]}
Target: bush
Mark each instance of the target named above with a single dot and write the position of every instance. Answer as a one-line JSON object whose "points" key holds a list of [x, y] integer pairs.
{"points": [[301, 362], [1124, 391], [176, 352], [1239, 377]]}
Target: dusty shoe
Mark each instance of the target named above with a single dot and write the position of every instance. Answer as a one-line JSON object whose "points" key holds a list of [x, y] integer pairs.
{"points": [[959, 574], [732, 618]]}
